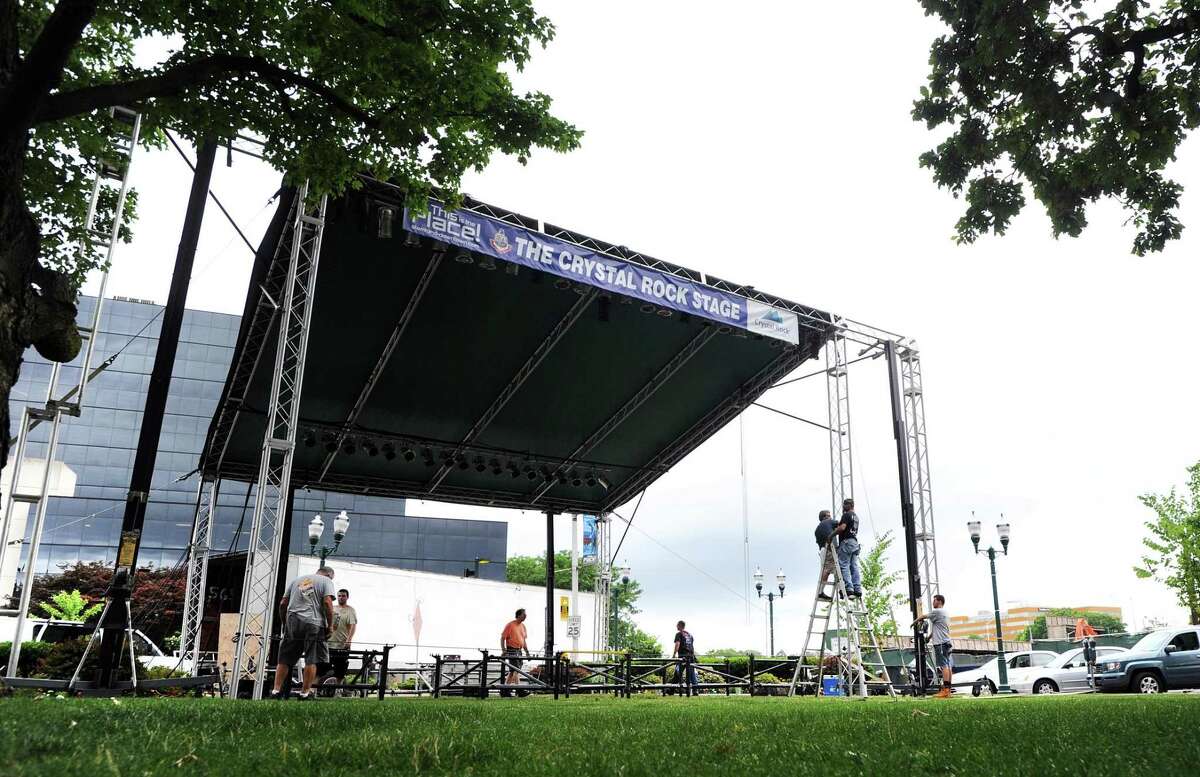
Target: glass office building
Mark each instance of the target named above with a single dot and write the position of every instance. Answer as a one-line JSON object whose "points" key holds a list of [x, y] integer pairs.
{"points": [[84, 517]]}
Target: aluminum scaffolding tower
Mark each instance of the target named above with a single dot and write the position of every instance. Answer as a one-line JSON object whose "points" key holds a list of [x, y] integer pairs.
{"points": [[918, 469], [837, 386], [266, 541], [110, 181], [197, 572]]}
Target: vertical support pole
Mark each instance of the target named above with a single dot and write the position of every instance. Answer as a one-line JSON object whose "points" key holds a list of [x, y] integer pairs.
{"points": [[156, 397], [771, 608], [195, 594], [39, 520], [912, 387], [1001, 660], [279, 442], [437, 676], [483, 674], [837, 388], [575, 579], [906, 508], [549, 590], [383, 671]]}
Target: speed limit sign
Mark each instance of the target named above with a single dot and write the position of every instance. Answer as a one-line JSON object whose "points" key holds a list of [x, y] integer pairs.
{"points": [[573, 625]]}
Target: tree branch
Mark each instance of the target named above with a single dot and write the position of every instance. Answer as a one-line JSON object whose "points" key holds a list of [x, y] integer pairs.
{"points": [[176, 80], [42, 70], [1182, 25]]}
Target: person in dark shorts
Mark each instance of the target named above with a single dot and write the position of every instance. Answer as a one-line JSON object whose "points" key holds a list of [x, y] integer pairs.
{"points": [[306, 611], [939, 640], [513, 645], [824, 536], [685, 650]]}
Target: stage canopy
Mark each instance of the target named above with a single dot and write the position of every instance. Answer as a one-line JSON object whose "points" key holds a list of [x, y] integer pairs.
{"points": [[484, 357]]}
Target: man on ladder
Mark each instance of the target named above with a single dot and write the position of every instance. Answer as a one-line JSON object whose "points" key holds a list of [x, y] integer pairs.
{"points": [[848, 549], [824, 536]]}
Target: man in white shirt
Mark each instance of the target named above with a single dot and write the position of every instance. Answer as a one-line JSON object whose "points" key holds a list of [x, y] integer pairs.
{"points": [[939, 640]]}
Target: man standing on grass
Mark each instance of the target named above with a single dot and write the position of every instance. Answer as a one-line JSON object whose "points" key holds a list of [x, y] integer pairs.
{"points": [[940, 641], [847, 549], [685, 651], [824, 535], [306, 612], [345, 623], [513, 645]]}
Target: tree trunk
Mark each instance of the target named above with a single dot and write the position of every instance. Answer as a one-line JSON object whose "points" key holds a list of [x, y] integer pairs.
{"points": [[37, 306]]}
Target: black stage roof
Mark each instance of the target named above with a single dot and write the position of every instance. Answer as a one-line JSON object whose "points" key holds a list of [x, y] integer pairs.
{"points": [[520, 386]]}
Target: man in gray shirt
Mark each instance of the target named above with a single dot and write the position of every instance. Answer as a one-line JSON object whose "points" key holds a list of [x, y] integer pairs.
{"points": [[306, 611], [939, 639]]}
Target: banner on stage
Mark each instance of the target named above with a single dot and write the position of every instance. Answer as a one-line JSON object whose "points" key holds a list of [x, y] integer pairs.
{"points": [[589, 539], [532, 249]]}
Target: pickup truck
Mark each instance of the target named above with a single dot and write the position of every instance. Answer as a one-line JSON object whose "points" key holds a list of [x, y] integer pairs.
{"points": [[42, 630]]}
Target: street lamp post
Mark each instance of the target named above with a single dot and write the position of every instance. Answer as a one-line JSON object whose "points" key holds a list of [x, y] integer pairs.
{"points": [[316, 527], [1005, 531], [781, 579]]}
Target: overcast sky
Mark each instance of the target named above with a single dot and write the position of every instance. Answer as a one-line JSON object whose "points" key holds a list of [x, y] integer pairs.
{"points": [[1060, 375]]}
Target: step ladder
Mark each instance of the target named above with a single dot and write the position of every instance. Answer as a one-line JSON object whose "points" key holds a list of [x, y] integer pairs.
{"points": [[110, 182], [860, 661]]}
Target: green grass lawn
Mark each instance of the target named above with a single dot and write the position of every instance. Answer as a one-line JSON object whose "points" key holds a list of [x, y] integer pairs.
{"points": [[1092, 735]]}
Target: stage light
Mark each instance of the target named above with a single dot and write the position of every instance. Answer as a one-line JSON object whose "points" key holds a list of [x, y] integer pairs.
{"points": [[462, 462], [575, 479], [647, 307], [545, 472], [513, 469], [723, 330], [486, 262], [411, 240], [561, 478], [740, 333], [581, 288], [495, 465], [463, 256], [389, 450], [427, 456], [370, 447], [330, 440], [387, 215], [511, 268], [310, 437], [348, 446], [591, 480], [562, 283], [530, 472], [665, 313], [408, 453], [480, 464]]}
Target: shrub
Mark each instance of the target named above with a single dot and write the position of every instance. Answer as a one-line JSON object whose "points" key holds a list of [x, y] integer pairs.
{"points": [[32, 653]]}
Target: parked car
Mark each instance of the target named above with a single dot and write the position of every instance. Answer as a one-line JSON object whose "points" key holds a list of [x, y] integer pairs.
{"points": [[985, 678], [1163, 659], [43, 630], [1068, 672]]}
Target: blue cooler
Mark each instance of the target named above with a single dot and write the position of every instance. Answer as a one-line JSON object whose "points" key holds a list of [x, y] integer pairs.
{"points": [[831, 686]]}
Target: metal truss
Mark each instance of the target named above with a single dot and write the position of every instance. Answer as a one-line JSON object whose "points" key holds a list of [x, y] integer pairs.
{"points": [[631, 405], [514, 384], [197, 571], [279, 441], [111, 176], [256, 330], [385, 357], [918, 470], [837, 387]]}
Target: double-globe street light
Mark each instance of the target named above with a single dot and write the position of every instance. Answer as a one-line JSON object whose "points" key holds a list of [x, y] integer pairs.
{"points": [[316, 527], [1004, 530], [781, 579]]}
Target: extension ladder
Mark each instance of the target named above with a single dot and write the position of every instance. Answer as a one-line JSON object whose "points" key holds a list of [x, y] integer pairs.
{"points": [[848, 620], [110, 182]]}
